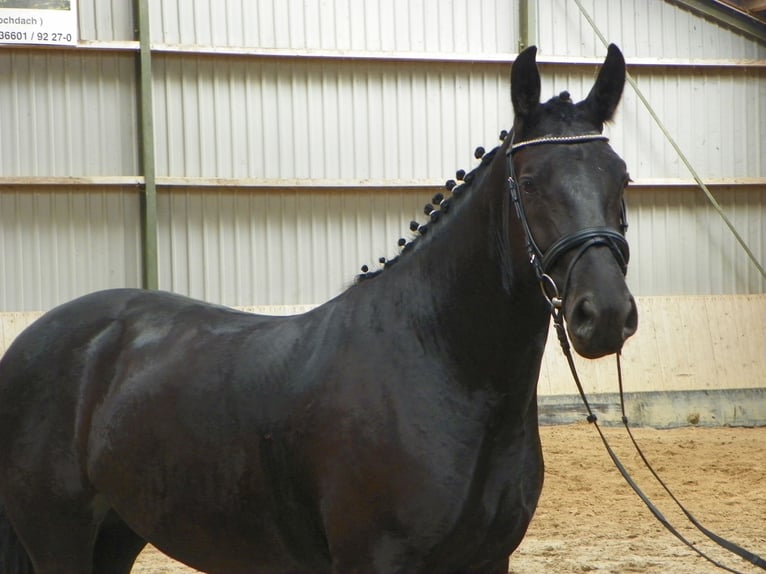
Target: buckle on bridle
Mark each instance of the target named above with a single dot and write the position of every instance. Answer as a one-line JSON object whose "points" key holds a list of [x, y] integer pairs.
{"points": [[551, 291]]}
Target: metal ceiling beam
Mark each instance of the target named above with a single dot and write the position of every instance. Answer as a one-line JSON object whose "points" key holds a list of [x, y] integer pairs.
{"points": [[318, 185], [356, 57], [754, 5], [726, 15]]}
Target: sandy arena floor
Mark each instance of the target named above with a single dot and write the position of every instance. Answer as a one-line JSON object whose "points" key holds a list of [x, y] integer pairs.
{"points": [[589, 520]]}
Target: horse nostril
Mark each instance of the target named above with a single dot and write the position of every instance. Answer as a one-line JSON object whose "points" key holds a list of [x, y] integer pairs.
{"points": [[584, 317], [631, 320]]}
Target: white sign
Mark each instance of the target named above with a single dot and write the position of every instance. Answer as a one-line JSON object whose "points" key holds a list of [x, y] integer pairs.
{"points": [[38, 22]]}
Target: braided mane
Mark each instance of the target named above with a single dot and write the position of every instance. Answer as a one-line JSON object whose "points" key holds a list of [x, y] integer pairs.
{"points": [[435, 211]]}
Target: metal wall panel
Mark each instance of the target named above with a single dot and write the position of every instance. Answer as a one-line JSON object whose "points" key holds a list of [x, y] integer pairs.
{"points": [[484, 26], [642, 28], [680, 245], [716, 116], [276, 247], [295, 119], [717, 119], [106, 20], [67, 114], [56, 245]]}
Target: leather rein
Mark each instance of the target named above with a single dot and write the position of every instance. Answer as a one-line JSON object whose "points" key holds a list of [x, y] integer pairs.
{"points": [[542, 262]]}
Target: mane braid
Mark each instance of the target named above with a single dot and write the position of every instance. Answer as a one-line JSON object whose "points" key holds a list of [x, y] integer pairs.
{"points": [[456, 191]]}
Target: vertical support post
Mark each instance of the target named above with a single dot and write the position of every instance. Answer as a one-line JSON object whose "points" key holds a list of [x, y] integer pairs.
{"points": [[149, 261], [527, 24]]}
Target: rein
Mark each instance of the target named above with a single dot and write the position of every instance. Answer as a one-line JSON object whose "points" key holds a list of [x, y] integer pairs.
{"points": [[618, 245], [558, 322]]}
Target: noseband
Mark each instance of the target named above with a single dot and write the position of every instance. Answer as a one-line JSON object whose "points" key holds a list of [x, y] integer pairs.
{"points": [[580, 240]]}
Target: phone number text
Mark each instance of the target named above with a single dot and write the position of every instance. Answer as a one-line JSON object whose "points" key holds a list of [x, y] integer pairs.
{"points": [[15, 36]]}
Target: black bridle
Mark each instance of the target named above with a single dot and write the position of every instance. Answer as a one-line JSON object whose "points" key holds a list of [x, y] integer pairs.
{"points": [[580, 240]]}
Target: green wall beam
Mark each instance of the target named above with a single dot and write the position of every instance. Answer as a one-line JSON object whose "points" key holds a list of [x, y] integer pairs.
{"points": [[149, 261]]}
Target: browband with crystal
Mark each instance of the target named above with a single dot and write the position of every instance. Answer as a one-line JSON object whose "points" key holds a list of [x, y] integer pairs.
{"points": [[558, 140]]}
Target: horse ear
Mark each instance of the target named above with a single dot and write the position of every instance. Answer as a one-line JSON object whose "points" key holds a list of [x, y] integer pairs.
{"points": [[606, 92], [525, 83]]}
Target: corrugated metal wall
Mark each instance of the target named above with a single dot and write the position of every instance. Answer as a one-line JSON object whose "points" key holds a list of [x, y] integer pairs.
{"points": [[716, 115], [681, 246], [642, 28], [66, 113], [256, 102], [459, 26], [57, 245], [289, 118], [275, 246]]}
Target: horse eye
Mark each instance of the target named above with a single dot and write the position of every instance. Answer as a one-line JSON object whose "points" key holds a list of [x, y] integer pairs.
{"points": [[527, 185]]}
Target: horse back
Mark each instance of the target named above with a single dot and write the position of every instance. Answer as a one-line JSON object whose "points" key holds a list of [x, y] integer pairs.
{"points": [[128, 340]]}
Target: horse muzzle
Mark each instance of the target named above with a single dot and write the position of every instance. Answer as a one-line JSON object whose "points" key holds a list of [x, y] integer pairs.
{"points": [[599, 326], [600, 312]]}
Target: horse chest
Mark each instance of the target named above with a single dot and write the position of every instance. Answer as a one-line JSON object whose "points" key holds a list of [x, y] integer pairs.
{"points": [[498, 505], [445, 507]]}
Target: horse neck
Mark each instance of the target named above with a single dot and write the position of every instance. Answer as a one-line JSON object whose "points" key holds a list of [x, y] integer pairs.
{"points": [[468, 292]]}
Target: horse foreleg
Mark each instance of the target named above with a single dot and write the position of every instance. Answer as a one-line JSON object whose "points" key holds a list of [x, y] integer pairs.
{"points": [[13, 556], [59, 538], [117, 546]]}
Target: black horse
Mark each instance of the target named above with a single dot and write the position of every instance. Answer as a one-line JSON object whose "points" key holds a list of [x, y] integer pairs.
{"points": [[392, 429]]}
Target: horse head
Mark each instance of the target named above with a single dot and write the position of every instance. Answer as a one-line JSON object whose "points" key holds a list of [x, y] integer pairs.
{"points": [[568, 187]]}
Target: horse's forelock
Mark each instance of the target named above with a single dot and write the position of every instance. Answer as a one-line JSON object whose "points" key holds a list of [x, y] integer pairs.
{"points": [[558, 116]]}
